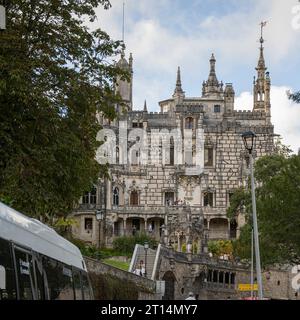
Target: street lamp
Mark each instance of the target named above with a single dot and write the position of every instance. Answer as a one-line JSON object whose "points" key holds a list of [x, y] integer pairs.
{"points": [[249, 140], [146, 247], [99, 218]]}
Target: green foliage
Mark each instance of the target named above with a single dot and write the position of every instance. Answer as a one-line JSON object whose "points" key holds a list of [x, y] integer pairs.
{"points": [[278, 203], [90, 250], [55, 75], [295, 96], [108, 287], [63, 225], [126, 244], [117, 264], [220, 247]]}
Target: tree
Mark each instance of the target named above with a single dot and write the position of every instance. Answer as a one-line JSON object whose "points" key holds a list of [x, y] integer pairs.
{"points": [[278, 202], [294, 96], [55, 76]]}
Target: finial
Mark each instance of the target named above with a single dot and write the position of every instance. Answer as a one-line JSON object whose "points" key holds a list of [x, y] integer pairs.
{"points": [[178, 88], [145, 106], [262, 25]]}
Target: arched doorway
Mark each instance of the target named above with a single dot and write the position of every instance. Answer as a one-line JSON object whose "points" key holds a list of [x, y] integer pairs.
{"points": [[218, 228], [169, 279]]}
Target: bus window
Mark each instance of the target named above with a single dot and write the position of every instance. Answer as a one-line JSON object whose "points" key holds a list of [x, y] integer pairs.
{"points": [[77, 285], [40, 289], [9, 292], [86, 287], [24, 268], [60, 281]]}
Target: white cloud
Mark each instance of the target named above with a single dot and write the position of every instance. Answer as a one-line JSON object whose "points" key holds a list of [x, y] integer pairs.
{"points": [[164, 34], [285, 114]]}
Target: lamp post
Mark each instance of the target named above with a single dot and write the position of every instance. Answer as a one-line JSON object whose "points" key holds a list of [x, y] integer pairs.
{"points": [[146, 247], [249, 139], [99, 217]]}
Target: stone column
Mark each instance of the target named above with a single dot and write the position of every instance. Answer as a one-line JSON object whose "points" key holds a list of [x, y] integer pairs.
{"points": [[124, 226]]}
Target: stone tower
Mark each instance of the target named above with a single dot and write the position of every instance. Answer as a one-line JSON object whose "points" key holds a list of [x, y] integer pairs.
{"points": [[124, 87], [262, 84], [212, 87]]}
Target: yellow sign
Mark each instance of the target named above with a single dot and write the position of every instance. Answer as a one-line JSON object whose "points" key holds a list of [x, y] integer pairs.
{"points": [[247, 287]]}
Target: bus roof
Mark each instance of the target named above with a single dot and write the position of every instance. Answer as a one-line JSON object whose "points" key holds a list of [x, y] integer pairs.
{"points": [[31, 233]]}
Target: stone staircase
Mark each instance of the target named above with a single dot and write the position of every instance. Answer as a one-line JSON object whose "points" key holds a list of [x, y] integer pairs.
{"points": [[152, 260]]}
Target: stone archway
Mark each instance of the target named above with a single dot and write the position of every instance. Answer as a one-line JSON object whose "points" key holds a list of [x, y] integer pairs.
{"points": [[218, 228], [169, 279]]}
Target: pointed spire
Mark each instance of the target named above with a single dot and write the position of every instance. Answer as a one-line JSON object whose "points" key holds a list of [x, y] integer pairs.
{"points": [[262, 83], [212, 78], [145, 106], [261, 65], [178, 89], [212, 85]]}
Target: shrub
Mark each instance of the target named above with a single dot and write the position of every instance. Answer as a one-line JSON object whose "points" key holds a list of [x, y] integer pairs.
{"points": [[126, 244]]}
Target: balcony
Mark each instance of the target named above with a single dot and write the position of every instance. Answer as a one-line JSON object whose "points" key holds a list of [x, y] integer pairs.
{"points": [[155, 210]]}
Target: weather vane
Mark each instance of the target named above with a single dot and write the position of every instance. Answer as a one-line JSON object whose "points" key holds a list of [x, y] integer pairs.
{"points": [[262, 25]]}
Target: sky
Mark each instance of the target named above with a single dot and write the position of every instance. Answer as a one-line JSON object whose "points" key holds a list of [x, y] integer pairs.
{"points": [[165, 34]]}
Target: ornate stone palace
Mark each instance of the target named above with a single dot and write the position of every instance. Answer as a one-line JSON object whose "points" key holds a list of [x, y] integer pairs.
{"points": [[177, 201]]}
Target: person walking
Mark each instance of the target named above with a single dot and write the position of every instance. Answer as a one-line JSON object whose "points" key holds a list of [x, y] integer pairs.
{"points": [[191, 296]]}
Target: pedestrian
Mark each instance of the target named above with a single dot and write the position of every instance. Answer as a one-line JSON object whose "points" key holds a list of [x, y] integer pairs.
{"points": [[142, 268], [191, 296]]}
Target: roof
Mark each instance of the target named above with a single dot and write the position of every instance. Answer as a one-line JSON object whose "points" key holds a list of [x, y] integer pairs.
{"points": [[31, 233]]}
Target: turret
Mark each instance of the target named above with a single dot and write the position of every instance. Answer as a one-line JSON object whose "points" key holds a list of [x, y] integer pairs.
{"points": [[124, 87], [229, 96], [212, 88], [262, 84]]}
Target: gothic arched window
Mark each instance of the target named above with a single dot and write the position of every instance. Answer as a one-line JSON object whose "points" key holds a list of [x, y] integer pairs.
{"points": [[117, 155], [116, 197]]}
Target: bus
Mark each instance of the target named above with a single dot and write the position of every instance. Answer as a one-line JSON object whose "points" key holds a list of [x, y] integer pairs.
{"points": [[38, 264]]}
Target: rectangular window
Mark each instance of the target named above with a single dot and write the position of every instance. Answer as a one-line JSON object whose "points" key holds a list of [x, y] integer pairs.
{"points": [[86, 287], [169, 198], [217, 108], [134, 198], [208, 156], [60, 280], [85, 198], [93, 196], [88, 224], [8, 291], [208, 199], [134, 125], [77, 285], [141, 125], [24, 266], [230, 194]]}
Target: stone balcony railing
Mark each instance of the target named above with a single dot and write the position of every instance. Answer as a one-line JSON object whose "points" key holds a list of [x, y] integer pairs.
{"points": [[159, 210]]}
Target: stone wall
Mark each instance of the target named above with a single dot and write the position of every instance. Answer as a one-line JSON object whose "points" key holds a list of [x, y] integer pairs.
{"points": [[146, 287]]}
